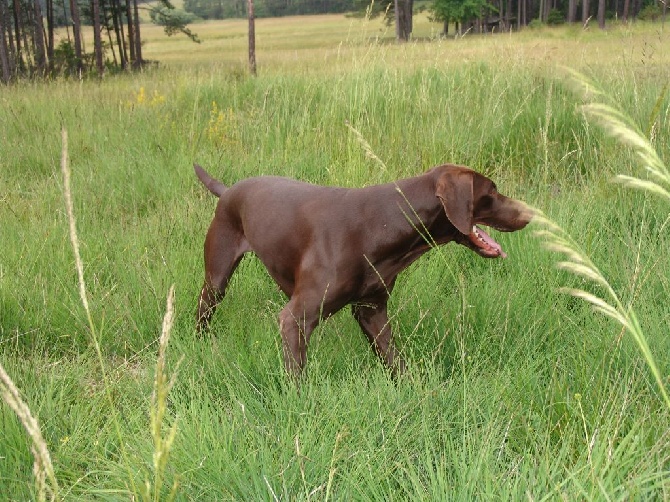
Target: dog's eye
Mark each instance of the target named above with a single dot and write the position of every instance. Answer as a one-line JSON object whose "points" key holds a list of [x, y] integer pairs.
{"points": [[485, 202]]}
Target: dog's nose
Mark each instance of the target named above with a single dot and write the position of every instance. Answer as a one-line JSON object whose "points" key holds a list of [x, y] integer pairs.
{"points": [[526, 213]]}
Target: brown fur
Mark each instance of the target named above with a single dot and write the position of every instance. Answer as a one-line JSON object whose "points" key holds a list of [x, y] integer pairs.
{"points": [[327, 247]]}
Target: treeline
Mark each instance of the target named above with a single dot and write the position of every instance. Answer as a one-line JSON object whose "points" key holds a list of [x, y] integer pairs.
{"points": [[29, 46], [478, 15], [504, 15], [225, 9]]}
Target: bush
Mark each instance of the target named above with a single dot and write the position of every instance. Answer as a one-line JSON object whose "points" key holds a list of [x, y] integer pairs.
{"points": [[555, 17], [650, 13], [65, 60]]}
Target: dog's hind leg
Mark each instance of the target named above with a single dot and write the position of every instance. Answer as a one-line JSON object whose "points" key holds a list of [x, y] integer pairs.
{"points": [[224, 248]]}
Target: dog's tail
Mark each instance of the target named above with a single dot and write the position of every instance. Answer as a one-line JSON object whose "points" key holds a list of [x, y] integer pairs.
{"points": [[213, 185]]}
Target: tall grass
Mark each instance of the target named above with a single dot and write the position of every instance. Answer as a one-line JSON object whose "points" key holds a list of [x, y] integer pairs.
{"points": [[83, 295], [42, 468], [623, 128], [514, 390], [157, 412]]}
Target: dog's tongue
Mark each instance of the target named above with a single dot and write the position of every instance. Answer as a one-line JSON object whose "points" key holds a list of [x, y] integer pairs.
{"points": [[484, 241]]}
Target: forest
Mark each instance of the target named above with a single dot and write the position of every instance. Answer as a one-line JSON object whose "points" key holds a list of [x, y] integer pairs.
{"points": [[29, 46], [44, 37]]}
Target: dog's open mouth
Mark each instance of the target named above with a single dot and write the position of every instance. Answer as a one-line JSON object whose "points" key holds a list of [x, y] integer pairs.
{"points": [[485, 244]]}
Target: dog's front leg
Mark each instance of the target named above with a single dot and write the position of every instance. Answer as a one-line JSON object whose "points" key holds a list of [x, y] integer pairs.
{"points": [[373, 320], [296, 326]]}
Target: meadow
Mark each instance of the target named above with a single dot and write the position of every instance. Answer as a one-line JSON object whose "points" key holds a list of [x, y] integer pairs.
{"points": [[515, 389]]}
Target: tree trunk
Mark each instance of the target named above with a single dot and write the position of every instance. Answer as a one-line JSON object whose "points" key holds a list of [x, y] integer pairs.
{"points": [[525, 12], [626, 7], [547, 8], [633, 8], [572, 11], [252, 37], [501, 16], [10, 41], [38, 40], [508, 19], [131, 31], [585, 11], [103, 8], [17, 33], [97, 38], [396, 13], [50, 32], [28, 58], [665, 11], [405, 19], [76, 31], [138, 40], [118, 30], [5, 73], [601, 14]]}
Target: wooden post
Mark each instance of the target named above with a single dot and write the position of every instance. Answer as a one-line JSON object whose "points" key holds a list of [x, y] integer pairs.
{"points": [[252, 37]]}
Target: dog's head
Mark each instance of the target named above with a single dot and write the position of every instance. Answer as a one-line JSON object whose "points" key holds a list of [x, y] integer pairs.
{"points": [[470, 199]]}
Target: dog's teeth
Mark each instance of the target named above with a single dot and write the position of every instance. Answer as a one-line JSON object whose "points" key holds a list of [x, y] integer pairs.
{"points": [[475, 231]]}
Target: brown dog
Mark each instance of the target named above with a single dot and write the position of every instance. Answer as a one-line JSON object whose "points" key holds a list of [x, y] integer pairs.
{"points": [[327, 247]]}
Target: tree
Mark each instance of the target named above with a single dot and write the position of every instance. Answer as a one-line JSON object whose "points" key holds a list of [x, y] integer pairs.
{"points": [[117, 22], [5, 72], [76, 30], [28, 43], [463, 12], [137, 41], [572, 11], [601, 14], [223, 9], [49, 5], [97, 38], [447, 11], [173, 20], [522, 13], [626, 6], [396, 12], [403, 19], [38, 39], [585, 11]]}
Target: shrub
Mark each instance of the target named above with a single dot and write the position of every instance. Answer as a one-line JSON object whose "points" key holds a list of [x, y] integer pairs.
{"points": [[555, 17], [650, 13]]}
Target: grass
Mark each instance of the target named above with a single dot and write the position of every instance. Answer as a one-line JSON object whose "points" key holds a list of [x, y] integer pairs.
{"points": [[515, 390]]}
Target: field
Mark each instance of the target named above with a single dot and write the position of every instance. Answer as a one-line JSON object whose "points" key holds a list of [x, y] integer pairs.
{"points": [[516, 390]]}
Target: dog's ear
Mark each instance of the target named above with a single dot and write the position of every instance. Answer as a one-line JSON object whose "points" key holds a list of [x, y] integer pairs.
{"points": [[456, 192]]}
